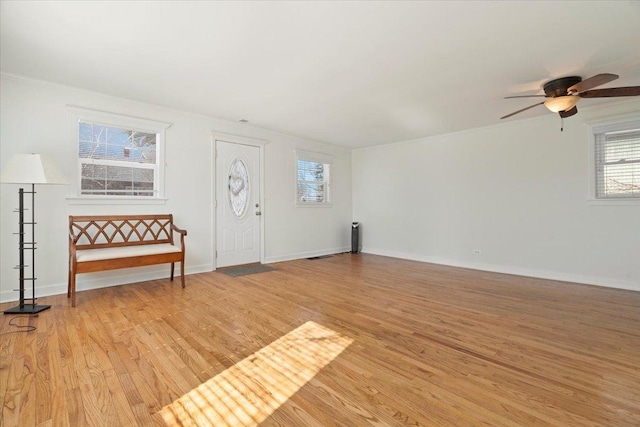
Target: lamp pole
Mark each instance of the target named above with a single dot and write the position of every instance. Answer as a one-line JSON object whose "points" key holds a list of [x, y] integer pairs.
{"points": [[28, 169], [23, 308]]}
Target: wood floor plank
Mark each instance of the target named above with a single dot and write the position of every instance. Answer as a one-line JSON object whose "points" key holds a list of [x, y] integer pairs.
{"points": [[431, 345], [29, 398]]}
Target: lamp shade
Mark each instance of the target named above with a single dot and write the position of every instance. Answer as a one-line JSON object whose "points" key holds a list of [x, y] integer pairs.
{"points": [[561, 103], [31, 169]]}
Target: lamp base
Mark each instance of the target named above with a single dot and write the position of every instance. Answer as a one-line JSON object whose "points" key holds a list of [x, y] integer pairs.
{"points": [[27, 309]]}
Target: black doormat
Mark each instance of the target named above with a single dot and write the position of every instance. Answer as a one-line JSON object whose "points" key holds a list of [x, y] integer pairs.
{"points": [[243, 270]]}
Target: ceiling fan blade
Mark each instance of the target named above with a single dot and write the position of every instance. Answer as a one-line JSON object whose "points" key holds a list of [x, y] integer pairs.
{"points": [[524, 96], [520, 111], [592, 82], [614, 91]]}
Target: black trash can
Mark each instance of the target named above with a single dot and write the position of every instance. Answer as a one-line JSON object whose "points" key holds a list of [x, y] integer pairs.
{"points": [[355, 237]]}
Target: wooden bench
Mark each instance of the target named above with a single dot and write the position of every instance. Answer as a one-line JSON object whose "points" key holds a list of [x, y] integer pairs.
{"points": [[100, 243]]}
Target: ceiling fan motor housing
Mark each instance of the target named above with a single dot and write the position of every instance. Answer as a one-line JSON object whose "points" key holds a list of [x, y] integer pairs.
{"points": [[558, 87]]}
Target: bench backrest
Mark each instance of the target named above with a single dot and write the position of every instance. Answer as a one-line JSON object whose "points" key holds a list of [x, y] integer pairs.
{"points": [[93, 232]]}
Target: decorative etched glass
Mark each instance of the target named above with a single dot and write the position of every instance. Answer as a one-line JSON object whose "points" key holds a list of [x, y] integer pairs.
{"points": [[238, 187]]}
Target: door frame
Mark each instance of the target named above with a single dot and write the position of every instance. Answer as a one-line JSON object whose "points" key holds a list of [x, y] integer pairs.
{"points": [[242, 140]]}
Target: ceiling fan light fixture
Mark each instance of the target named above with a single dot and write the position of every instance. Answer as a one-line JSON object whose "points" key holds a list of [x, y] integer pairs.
{"points": [[561, 103]]}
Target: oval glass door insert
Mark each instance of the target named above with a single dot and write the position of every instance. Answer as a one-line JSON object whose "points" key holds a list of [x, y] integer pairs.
{"points": [[238, 187]]}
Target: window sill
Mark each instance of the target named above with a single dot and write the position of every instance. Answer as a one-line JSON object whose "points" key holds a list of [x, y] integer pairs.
{"points": [[114, 200], [313, 205], [614, 202]]}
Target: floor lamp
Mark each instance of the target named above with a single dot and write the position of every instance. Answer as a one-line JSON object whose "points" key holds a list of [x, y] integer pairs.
{"points": [[28, 169]]}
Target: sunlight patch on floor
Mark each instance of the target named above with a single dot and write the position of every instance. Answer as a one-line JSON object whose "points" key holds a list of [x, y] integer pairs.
{"points": [[251, 390]]}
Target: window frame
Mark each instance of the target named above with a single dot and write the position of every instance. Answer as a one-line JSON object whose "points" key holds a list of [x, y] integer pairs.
{"points": [[612, 124], [326, 160], [95, 117]]}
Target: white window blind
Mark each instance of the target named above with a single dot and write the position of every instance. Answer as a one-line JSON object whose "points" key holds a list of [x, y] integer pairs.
{"points": [[313, 179], [617, 162]]}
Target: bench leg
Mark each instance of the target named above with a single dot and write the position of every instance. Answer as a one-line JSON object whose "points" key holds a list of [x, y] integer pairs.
{"points": [[72, 287], [173, 264]]}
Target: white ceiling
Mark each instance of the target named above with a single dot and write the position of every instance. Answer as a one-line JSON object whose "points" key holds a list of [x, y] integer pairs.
{"points": [[348, 73]]}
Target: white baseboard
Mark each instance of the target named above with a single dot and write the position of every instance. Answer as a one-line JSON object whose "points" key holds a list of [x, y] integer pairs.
{"points": [[541, 274], [90, 281], [99, 280], [300, 255]]}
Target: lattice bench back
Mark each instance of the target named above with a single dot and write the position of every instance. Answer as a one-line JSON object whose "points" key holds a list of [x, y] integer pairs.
{"points": [[111, 231]]}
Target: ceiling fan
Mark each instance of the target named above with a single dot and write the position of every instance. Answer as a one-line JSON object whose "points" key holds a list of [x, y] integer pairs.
{"points": [[565, 92]]}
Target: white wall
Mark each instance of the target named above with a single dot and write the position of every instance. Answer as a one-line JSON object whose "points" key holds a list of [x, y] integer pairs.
{"points": [[34, 118], [518, 192]]}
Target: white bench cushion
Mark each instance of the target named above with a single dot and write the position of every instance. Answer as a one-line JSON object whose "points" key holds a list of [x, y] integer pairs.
{"points": [[125, 252]]}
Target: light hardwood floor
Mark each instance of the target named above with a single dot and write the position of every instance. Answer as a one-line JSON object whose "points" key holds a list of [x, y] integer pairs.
{"points": [[388, 342]]}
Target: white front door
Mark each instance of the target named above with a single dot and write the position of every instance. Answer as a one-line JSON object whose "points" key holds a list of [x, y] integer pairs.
{"points": [[238, 204]]}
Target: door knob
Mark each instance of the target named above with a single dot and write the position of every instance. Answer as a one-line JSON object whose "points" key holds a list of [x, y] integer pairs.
{"points": [[258, 213]]}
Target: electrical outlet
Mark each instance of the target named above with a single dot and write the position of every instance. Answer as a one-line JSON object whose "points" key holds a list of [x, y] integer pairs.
{"points": [[477, 252]]}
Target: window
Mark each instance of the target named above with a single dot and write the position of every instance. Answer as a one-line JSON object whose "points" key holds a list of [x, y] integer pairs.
{"points": [[118, 156], [617, 161], [117, 161], [313, 184]]}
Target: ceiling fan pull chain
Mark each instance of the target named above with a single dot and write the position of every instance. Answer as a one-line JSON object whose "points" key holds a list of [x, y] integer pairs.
{"points": [[561, 124]]}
